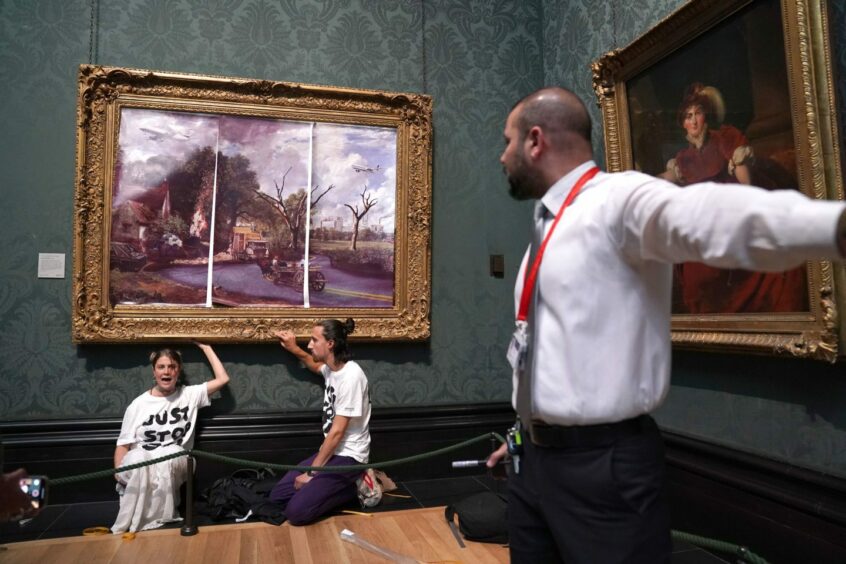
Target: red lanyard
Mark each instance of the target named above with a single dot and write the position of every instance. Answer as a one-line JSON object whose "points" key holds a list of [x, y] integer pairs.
{"points": [[529, 284]]}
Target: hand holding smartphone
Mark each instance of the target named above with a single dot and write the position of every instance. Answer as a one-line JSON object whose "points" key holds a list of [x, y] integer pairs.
{"points": [[36, 488], [16, 504]]}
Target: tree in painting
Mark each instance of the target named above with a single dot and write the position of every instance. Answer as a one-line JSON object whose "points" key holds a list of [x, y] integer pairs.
{"points": [[367, 202], [293, 208]]}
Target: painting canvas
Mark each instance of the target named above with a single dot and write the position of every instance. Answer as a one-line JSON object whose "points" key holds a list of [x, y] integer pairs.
{"points": [[220, 209]]}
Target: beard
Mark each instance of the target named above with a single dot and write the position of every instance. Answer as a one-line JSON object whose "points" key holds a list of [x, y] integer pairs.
{"points": [[523, 183]]}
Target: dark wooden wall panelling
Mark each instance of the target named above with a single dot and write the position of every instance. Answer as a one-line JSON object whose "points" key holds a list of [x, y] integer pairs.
{"points": [[782, 512], [69, 448]]}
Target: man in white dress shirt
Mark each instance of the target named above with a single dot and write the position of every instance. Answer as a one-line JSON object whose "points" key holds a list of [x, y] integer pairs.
{"points": [[591, 355]]}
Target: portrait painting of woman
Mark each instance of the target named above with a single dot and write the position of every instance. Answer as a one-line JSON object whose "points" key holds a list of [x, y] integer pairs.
{"points": [[718, 110], [719, 152]]}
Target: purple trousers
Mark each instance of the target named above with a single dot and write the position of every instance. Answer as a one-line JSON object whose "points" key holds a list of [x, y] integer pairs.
{"points": [[322, 494]]}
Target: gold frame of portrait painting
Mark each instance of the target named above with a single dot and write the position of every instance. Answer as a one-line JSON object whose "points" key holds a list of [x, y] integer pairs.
{"points": [[779, 110], [226, 209]]}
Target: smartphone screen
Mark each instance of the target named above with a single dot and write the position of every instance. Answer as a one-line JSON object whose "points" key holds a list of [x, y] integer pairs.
{"points": [[36, 488]]}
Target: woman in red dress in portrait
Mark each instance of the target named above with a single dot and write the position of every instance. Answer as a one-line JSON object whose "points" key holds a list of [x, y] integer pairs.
{"points": [[723, 154]]}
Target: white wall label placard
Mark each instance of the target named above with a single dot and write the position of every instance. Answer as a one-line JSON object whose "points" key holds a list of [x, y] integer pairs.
{"points": [[51, 265]]}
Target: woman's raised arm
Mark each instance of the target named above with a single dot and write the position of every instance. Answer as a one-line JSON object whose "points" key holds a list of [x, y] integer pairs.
{"points": [[221, 378]]}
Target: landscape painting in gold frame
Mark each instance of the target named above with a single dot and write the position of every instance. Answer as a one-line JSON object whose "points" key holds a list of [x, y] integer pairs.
{"points": [[226, 209], [735, 91]]}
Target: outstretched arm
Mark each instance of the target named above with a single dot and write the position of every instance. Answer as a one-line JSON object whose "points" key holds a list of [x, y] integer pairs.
{"points": [[726, 225], [221, 378], [288, 341]]}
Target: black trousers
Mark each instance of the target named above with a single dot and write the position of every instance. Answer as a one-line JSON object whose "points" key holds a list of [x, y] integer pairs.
{"points": [[592, 504]]}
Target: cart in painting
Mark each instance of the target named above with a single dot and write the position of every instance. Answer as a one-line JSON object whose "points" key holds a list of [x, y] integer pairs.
{"points": [[292, 274]]}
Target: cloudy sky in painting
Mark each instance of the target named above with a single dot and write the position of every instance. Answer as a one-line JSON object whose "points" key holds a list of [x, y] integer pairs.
{"points": [[349, 157], [154, 143], [273, 146]]}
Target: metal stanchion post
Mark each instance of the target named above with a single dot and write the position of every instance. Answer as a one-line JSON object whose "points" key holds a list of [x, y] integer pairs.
{"points": [[188, 529]]}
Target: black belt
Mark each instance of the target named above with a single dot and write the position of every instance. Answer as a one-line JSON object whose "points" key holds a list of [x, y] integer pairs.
{"points": [[558, 436]]}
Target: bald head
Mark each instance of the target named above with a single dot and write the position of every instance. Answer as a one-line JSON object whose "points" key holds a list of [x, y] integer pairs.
{"points": [[560, 113], [547, 134]]}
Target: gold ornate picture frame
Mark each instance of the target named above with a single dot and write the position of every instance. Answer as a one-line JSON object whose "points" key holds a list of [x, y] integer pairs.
{"points": [[735, 91], [225, 209]]}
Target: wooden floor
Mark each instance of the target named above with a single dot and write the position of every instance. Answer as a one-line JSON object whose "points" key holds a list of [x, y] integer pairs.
{"points": [[420, 534]]}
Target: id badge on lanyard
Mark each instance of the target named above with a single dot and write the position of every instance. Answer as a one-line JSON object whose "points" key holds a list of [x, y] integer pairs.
{"points": [[518, 346]]}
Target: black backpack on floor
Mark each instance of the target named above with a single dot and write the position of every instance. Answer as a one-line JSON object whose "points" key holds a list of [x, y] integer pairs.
{"points": [[237, 494], [481, 517]]}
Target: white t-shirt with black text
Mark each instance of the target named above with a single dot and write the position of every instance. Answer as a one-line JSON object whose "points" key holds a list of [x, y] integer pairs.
{"points": [[151, 422], [347, 394]]}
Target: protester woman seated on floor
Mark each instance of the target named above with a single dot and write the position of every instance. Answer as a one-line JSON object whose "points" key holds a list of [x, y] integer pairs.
{"points": [[346, 416], [159, 422]]}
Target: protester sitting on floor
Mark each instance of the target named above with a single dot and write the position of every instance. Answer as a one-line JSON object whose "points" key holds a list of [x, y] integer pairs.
{"points": [[159, 422], [346, 415]]}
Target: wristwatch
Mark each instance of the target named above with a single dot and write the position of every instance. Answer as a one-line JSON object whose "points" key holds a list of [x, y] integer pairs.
{"points": [[311, 473]]}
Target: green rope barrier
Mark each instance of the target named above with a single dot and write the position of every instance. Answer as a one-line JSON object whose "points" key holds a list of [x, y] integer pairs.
{"points": [[351, 467], [720, 546], [112, 471], [254, 464]]}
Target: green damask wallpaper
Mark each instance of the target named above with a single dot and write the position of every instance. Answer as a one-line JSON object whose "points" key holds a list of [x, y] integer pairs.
{"points": [[473, 56], [476, 57], [787, 409]]}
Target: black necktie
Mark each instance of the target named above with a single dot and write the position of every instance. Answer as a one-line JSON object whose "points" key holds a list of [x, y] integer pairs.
{"points": [[524, 384]]}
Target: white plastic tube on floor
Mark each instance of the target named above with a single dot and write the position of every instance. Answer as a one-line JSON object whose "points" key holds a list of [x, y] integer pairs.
{"points": [[388, 554]]}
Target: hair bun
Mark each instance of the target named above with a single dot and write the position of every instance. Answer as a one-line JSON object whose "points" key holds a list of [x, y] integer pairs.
{"points": [[349, 325]]}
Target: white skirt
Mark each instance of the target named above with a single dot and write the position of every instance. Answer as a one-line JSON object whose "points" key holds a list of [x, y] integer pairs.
{"points": [[151, 496]]}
